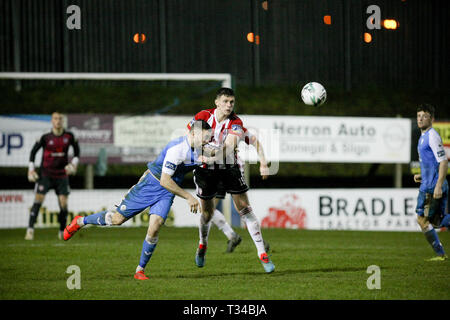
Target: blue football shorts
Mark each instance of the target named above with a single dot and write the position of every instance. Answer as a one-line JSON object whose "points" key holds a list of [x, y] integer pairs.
{"points": [[146, 193], [424, 200]]}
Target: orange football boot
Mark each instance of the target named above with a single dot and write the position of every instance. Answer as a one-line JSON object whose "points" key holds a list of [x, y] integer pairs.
{"points": [[73, 227], [140, 275]]}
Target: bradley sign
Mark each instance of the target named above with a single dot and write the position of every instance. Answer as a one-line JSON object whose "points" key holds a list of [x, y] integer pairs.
{"points": [[337, 209]]}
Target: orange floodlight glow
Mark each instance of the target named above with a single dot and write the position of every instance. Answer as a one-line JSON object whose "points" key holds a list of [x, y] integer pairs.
{"points": [[252, 38], [327, 20], [390, 24], [139, 38], [367, 37]]}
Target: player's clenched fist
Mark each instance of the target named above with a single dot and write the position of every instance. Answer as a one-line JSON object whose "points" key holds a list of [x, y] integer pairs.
{"points": [[417, 178], [264, 171], [32, 176], [70, 169]]}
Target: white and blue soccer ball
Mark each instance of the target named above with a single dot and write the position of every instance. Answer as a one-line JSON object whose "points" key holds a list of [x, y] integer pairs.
{"points": [[314, 94]]}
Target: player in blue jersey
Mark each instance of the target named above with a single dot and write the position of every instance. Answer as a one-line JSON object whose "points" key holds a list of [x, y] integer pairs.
{"points": [[433, 191], [155, 189]]}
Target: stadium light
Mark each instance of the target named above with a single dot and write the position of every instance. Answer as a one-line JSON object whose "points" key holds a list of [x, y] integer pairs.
{"points": [[367, 37], [327, 19], [390, 24], [139, 38], [252, 38]]}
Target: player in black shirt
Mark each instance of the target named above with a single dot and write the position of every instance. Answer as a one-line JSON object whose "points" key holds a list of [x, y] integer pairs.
{"points": [[54, 171]]}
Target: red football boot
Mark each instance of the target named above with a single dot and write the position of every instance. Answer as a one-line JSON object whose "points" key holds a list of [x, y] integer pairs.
{"points": [[73, 227], [140, 275]]}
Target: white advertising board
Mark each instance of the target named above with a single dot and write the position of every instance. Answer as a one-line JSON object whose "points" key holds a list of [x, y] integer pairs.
{"points": [[15, 206], [15, 148], [315, 209], [336, 209], [17, 137], [330, 139], [148, 131], [284, 138]]}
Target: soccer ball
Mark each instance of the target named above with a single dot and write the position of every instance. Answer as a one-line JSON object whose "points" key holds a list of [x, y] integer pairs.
{"points": [[314, 94]]}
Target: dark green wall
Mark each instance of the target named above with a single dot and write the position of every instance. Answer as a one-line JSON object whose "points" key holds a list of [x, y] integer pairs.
{"points": [[210, 36]]}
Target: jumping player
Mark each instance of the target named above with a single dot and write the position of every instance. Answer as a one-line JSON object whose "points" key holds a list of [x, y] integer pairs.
{"points": [[227, 130], [433, 191], [218, 218], [54, 171], [156, 189]]}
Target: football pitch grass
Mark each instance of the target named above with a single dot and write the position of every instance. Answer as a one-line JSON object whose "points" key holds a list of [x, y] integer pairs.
{"points": [[317, 265]]}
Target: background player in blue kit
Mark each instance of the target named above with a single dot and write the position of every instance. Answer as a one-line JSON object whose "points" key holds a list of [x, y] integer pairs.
{"points": [[155, 189], [433, 192]]}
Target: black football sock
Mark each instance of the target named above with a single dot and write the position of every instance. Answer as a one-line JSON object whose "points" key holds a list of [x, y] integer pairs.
{"points": [[62, 219], [34, 212]]}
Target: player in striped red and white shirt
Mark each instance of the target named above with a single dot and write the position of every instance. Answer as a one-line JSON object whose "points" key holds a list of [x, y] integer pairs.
{"points": [[234, 239], [223, 168], [229, 126]]}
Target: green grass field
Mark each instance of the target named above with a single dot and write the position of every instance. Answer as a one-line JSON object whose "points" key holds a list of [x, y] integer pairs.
{"points": [[309, 265]]}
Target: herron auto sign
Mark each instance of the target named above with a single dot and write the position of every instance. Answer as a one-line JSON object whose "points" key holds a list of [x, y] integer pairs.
{"points": [[330, 139]]}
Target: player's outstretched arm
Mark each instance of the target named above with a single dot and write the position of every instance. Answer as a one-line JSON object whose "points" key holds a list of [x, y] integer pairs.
{"points": [[168, 183]]}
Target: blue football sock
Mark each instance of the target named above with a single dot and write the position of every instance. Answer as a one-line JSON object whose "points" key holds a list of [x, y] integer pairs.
{"points": [[446, 221], [147, 251], [96, 218], [433, 239]]}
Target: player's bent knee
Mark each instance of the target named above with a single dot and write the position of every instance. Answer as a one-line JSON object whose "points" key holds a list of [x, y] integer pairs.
{"points": [[114, 218], [154, 225], [206, 216], [423, 223], [241, 201], [39, 198]]}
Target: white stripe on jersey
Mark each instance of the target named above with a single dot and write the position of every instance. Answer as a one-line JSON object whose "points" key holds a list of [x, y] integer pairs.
{"points": [[435, 142], [219, 135]]}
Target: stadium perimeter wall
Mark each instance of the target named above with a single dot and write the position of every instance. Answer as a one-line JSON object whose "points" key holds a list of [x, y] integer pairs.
{"points": [[317, 209]]}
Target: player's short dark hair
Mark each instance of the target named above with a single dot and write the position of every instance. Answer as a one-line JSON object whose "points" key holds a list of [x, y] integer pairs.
{"points": [[200, 124], [225, 92], [425, 107]]}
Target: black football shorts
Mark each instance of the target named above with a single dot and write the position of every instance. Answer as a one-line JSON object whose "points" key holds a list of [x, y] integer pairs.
{"points": [[213, 182], [45, 183]]}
